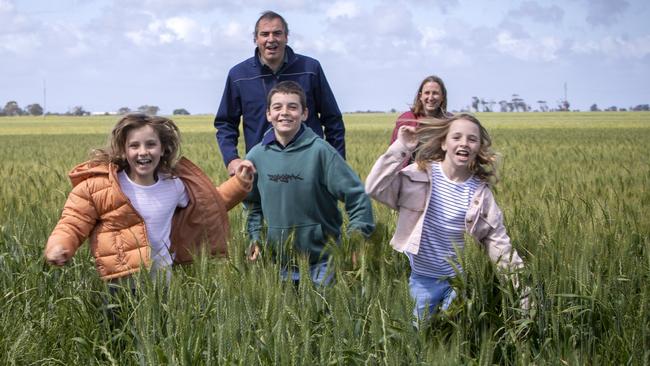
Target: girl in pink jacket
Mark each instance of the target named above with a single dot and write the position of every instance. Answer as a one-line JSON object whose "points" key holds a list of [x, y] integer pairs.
{"points": [[440, 197]]}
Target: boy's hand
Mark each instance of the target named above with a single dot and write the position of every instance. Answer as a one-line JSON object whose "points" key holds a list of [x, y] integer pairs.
{"points": [[253, 252], [407, 136], [358, 241], [245, 171], [56, 255]]}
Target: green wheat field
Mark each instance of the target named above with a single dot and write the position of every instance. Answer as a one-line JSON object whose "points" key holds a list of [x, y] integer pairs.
{"points": [[574, 190]]}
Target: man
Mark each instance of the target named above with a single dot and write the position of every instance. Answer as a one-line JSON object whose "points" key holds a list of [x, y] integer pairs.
{"points": [[249, 82]]}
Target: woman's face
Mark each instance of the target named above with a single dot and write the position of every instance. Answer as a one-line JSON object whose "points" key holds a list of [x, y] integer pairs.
{"points": [[431, 98]]}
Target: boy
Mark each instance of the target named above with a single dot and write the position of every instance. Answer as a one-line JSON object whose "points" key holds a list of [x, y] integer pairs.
{"points": [[300, 179]]}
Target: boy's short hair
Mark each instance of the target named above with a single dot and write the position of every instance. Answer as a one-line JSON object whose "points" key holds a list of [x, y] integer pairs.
{"points": [[287, 87]]}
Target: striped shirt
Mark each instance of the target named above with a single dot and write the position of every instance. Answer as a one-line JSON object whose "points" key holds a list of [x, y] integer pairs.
{"points": [[443, 228]]}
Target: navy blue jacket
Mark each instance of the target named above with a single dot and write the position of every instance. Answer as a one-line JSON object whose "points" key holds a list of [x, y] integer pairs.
{"points": [[245, 94]]}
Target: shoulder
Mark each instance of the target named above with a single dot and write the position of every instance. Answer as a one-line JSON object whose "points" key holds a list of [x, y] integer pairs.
{"points": [[407, 119], [255, 152], [320, 144], [243, 69], [407, 115], [414, 173]]}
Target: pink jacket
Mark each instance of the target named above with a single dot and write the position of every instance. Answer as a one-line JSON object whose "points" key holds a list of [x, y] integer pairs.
{"points": [[408, 190]]}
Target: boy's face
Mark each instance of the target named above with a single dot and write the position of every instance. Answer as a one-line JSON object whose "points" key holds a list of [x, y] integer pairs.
{"points": [[286, 114]]}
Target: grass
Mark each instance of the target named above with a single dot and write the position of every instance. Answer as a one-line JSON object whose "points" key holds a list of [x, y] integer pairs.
{"points": [[574, 190]]}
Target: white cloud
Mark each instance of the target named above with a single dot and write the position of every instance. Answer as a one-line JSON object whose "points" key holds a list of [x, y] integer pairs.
{"points": [[19, 43], [342, 9], [327, 46], [432, 37], [234, 29], [527, 49], [616, 47], [174, 29], [6, 6]]}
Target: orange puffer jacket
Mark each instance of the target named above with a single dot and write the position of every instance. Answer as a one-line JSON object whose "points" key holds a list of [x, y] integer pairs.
{"points": [[97, 208]]}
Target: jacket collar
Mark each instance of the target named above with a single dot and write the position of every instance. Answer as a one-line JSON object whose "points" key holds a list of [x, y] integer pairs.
{"points": [[289, 58]]}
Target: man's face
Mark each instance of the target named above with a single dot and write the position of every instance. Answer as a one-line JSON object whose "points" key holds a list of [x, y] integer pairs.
{"points": [[271, 41]]}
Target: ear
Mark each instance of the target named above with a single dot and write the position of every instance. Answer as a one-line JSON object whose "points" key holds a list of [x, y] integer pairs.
{"points": [[268, 115], [443, 146], [305, 114]]}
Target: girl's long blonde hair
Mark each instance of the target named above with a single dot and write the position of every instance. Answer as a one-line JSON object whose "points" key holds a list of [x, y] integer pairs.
{"points": [[115, 152], [433, 132]]}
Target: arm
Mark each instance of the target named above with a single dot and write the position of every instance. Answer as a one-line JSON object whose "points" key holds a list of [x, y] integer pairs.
{"points": [[383, 181], [235, 189], [499, 248], [227, 122], [78, 219], [497, 242], [329, 114], [345, 184], [255, 217]]}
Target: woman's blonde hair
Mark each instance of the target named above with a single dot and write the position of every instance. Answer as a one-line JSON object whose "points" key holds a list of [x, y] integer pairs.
{"points": [[433, 132], [165, 128]]}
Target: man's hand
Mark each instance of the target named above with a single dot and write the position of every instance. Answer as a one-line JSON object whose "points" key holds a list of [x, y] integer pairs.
{"points": [[232, 166]]}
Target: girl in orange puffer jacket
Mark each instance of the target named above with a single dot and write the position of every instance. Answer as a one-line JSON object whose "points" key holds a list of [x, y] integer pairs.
{"points": [[142, 206]]}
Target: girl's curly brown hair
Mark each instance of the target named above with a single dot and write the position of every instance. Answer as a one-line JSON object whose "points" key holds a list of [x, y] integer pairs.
{"points": [[432, 133], [165, 128]]}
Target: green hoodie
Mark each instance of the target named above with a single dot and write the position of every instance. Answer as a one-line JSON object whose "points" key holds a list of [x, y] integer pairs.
{"points": [[297, 190]]}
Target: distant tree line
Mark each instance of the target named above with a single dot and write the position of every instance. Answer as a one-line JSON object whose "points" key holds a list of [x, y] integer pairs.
{"points": [[518, 104], [12, 108], [640, 107], [515, 104]]}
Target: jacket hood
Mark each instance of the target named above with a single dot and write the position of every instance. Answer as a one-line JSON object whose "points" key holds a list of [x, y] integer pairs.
{"points": [[306, 139], [87, 170]]}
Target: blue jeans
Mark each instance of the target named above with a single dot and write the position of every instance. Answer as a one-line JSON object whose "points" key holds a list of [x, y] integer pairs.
{"points": [[428, 293], [318, 273]]}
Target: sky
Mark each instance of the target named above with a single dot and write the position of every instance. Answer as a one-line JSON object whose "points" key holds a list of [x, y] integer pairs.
{"points": [[107, 54]]}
